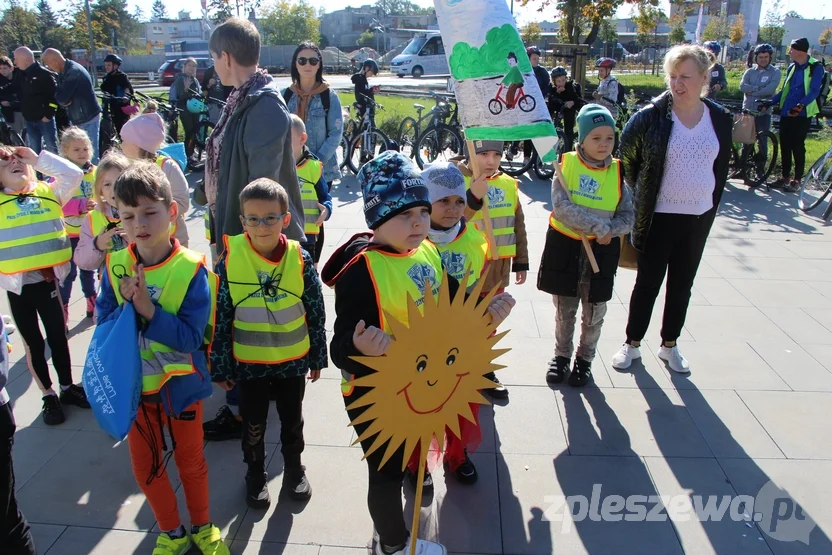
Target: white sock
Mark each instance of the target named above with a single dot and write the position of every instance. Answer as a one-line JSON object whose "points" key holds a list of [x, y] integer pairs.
{"points": [[49, 392], [235, 409], [65, 387]]}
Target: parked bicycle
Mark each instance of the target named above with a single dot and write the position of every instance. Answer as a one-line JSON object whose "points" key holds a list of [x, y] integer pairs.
{"points": [[748, 163], [817, 183], [197, 143], [368, 141], [515, 163], [410, 128], [9, 136], [107, 134], [168, 112], [350, 125]]}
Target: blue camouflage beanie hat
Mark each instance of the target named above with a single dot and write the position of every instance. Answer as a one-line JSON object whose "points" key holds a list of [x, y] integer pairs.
{"points": [[390, 184]]}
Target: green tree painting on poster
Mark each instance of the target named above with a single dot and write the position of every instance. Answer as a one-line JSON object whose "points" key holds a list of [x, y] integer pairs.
{"points": [[498, 95]]}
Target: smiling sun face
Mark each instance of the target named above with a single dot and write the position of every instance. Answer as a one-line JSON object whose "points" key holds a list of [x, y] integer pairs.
{"points": [[433, 369]]}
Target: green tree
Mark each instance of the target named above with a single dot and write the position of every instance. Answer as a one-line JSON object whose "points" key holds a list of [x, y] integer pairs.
{"points": [[46, 21], [792, 14], [825, 38], [772, 30], [366, 39], [737, 30], [608, 34], [219, 11], [718, 28], [289, 22], [158, 11], [18, 27], [582, 18], [531, 32], [647, 19], [62, 38], [117, 23], [401, 7], [677, 34]]}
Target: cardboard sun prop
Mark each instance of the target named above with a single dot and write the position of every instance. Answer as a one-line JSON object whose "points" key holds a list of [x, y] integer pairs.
{"points": [[433, 369]]}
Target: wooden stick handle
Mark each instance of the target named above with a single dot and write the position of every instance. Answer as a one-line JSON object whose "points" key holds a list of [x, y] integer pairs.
{"points": [[486, 219], [587, 246], [417, 503]]}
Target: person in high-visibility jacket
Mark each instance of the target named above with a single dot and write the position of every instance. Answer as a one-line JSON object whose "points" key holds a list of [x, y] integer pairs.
{"points": [[464, 253], [101, 230], [599, 206], [169, 287], [34, 257], [77, 148], [502, 193], [377, 271], [314, 191], [270, 334]]}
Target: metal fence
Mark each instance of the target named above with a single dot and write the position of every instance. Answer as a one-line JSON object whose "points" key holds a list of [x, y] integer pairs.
{"points": [[141, 64]]}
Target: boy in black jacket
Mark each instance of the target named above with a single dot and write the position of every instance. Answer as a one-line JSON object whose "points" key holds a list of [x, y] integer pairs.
{"points": [[565, 97], [375, 271]]}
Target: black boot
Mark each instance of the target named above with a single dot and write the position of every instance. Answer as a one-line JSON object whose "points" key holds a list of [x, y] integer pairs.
{"points": [[558, 368], [224, 426], [499, 392], [427, 483], [257, 490], [295, 483], [581, 373]]}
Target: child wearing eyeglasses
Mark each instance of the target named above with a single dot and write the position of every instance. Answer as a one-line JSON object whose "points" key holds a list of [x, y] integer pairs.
{"points": [[269, 334]]}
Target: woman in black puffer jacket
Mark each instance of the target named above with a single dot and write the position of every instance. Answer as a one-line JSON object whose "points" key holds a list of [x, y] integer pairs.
{"points": [[675, 153]]}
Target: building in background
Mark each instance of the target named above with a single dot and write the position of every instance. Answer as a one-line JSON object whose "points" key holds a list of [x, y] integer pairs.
{"points": [[750, 9], [158, 34], [342, 28], [809, 28]]}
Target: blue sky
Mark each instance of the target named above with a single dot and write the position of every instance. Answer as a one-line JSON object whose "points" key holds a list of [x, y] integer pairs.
{"points": [[814, 10]]}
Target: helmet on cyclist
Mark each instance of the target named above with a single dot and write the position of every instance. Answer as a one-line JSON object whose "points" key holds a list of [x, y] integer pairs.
{"points": [[112, 58], [559, 71], [764, 48], [713, 46], [370, 64], [195, 106], [532, 50], [608, 63]]}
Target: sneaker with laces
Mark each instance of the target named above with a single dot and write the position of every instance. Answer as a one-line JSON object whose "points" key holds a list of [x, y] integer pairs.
{"points": [[581, 373], [427, 483], [75, 395], [296, 484], [8, 325], [558, 368], [166, 545], [779, 183], [209, 540], [499, 392], [52, 412], [625, 356], [674, 359], [793, 186], [223, 426], [423, 547]]}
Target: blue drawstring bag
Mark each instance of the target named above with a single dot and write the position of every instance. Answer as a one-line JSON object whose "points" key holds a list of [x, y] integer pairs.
{"points": [[113, 373], [177, 152]]}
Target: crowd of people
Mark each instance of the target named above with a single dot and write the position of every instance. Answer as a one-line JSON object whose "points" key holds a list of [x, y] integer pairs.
{"points": [[252, 319]]}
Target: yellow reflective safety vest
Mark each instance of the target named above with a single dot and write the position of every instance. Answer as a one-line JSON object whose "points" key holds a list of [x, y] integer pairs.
{"points": [[32, 232], [309, 173], [396, 277], [269, 316], [469, 251], [99, 222], [167, 284], [84, 192], [502, 206], [597, 191], [812, 108], [207, 219]]}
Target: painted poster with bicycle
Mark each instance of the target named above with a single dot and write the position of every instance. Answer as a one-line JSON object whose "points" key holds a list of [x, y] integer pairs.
{"points": [[498, 95]]}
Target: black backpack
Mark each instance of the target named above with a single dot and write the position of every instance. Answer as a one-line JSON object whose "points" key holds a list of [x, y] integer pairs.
{"points": [[325, 100], [622, 94]]}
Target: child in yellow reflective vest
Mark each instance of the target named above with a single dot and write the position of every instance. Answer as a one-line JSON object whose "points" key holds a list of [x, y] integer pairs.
{"points": [[77, 148], [270, 334], [598, 206], [101, 230], [464, 251], [375, 271], [506, 212], [170, 289], [314, 192], [34, 257]]}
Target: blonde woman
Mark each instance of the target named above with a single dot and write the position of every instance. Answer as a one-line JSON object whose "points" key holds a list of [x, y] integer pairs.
{"points": [[675, 153], [185, 87]]}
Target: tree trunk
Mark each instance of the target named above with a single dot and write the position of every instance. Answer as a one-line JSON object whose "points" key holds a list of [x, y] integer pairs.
{"points": [[593, 32]]}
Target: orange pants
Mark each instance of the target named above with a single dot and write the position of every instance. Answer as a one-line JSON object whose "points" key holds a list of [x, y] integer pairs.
{"points": [[148, 459]]}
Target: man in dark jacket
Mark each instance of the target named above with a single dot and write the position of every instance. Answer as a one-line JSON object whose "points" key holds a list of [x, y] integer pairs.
{"points": [[116, 83], [10, 82], [75, 91], [37, 100]]}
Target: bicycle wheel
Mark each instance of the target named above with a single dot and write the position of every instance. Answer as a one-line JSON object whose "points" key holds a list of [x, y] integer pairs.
{"points": [[106, 135], [438, 143], [199, 143], [759, 166], [361, 151], [408, 131], [817, 183], [513, 163], [341, 153], [546, 170]]}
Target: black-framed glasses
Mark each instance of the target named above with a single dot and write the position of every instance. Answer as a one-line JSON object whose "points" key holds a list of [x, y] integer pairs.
{"points": [[312, 61], [253, 221]]}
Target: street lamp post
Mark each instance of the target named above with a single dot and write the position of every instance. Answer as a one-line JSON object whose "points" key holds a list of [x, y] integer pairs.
{"points": [[92, 41]]}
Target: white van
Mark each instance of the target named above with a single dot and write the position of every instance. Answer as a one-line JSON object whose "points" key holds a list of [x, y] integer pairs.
{"points": [[425, 55]]}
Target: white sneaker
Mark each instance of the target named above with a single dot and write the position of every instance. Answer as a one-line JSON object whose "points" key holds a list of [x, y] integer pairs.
{"points": [[674, 359], [625, 356], [7, 323], [423, 547]]}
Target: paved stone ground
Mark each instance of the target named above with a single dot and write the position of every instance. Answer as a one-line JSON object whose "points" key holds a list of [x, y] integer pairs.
{"points": [[755, 409]]}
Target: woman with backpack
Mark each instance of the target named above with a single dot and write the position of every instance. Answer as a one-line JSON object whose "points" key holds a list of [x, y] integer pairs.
{"points": [[311, 98]]}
